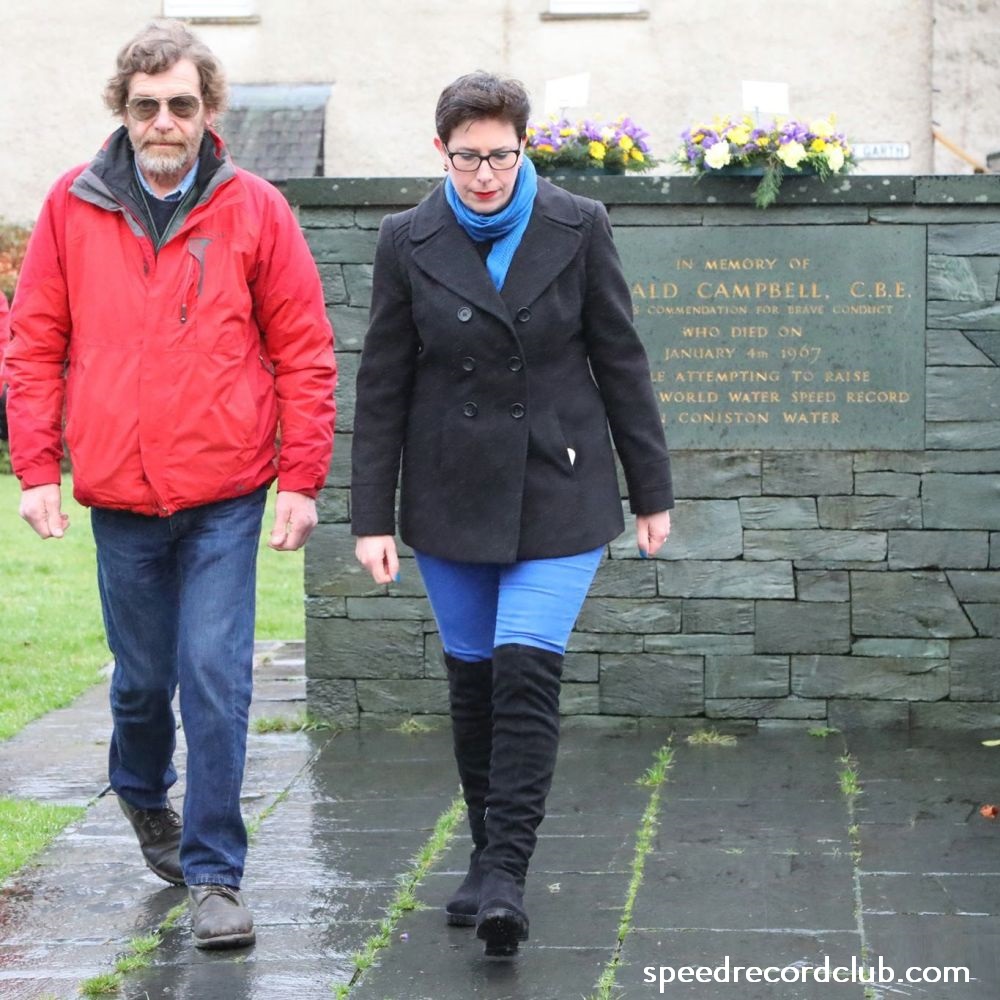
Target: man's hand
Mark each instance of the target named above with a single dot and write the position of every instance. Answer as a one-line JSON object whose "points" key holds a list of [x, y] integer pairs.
{"points": [[41, 507], [294, 520], [651, 531], [377, 553]]}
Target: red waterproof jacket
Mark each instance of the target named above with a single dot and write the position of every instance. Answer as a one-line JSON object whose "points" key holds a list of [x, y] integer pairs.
{"points": [[178, 367]]}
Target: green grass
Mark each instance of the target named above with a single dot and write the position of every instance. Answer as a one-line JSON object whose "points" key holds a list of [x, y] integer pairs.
{"points": [[711, 738], [54, 638], [302, 722], [26, 827]]}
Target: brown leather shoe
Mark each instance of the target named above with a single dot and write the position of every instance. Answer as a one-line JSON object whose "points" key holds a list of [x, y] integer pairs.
{"points": [[219, 918], [159, 833]]}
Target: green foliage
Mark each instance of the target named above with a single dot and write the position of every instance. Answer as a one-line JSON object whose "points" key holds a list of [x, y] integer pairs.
{"points": [[303, 722], [711, 738], [106, 982], [27, 827], [13, 243]]}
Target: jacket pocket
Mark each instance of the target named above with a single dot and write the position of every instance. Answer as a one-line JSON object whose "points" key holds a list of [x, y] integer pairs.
{"points": [[547, 442]]}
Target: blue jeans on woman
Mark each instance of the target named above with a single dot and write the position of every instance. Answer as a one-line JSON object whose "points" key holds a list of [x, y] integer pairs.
{"points": [[178, 600]]}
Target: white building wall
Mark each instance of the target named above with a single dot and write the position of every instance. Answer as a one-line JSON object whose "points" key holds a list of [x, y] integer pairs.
{"points": [[388, 60]]}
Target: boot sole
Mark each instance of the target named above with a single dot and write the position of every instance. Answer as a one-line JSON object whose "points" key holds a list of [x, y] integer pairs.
{"points": [[460, 919], [159, 873], [225, 941], [502, 929]]}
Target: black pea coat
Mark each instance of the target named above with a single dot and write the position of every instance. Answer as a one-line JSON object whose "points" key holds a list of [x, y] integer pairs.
{"points": [[498, 403]]}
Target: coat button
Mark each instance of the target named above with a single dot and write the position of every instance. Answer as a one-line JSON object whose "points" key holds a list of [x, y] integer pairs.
{"points": [[523, 314], [515, 364], [464, 314], [517, 410], [469, 364], [470, 409]]}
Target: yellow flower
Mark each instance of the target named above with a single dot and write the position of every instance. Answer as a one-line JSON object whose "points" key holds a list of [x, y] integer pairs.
{"points": [[597, 150], [718, 156], [792, 154], [835, 157], [626, 142], [817, 145], [567, 131], [739, 134], [545, 147], [823, 128], [636, 154]]}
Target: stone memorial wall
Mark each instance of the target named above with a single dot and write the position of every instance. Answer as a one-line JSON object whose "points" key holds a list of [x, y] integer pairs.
{"points": [[828, 372]]}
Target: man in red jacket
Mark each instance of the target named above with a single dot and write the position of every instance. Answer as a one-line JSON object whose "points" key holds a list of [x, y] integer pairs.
{"points": [[169, 306]]}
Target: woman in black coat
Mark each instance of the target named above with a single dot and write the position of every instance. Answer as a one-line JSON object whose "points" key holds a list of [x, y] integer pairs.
{"points": [[500, 349]]}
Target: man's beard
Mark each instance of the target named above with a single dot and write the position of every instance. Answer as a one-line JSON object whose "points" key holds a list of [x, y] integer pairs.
{"points": [[167, 164]]}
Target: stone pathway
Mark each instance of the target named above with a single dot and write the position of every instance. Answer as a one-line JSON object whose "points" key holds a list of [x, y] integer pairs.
{"points": [[758, 859]]}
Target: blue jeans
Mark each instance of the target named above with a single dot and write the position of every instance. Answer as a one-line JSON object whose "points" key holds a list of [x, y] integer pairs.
{"points": [[534, 602], [178, 601]]}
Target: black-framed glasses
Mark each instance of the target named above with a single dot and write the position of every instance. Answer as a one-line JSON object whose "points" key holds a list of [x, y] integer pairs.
{"points": [[142, 109], [499, 159]]}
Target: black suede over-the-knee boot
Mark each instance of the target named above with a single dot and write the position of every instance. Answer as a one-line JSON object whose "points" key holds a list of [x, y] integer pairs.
{"points": [[470, 687], [526, 684]]}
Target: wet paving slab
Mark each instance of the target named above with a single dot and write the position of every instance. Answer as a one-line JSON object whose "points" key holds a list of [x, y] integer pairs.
{"points": [[758, 859]]}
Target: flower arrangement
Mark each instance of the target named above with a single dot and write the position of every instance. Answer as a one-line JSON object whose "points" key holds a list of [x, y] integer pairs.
{"points": [[614, 146], [816, 147]]}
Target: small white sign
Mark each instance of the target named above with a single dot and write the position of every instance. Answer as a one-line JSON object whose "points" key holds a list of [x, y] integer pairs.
{"points": [[881, 150], [567, 92], [770, 98]]}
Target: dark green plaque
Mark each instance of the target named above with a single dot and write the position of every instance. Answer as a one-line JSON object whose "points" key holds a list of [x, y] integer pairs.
{"points": [[795, 337]]}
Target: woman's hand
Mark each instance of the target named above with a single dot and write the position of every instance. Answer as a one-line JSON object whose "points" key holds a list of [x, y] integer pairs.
{"points": [[651, 531], [377, 553]]}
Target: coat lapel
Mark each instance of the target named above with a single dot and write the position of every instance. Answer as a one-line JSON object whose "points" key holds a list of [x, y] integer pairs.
{"points": [[444, 252], [549, 244]]}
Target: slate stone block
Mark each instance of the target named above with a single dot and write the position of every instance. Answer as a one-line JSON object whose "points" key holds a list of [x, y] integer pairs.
{"points": [[987, 341], [325, 218], [735, 579], [913, 679], [389, 609], [718, 474], [985, 618], [765, 708], [339, 473], [434, 657], [938, 549], [858, 513], [344, 648], [371, 218], [934, 648], [950, 348], [965, 315], [806, 473], [581, 668], [604, 642], [822, 585], [717, 616], [963, 394], [330, 567], [358, 281], [985, 460], [653, 215], [349, 328], [334, 288], [779, 512], [971, 435], [333, 701], [890, 461], [918, 604], [580, 699], [955, 715], [962, 279], [995, 550], [700, 645], [652, 685], [613, 614], [961, 501], [746, 676], [342, 246], [978, 588], [333, 506], [701, 529], [832, 546], [964, 240], [625, 578], [325, 607], [887, 484], [975, 670], [412, 697], [859, 713], [802, 627]]}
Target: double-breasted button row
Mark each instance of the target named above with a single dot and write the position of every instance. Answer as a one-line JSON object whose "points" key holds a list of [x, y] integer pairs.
{"points": [[515, 364], [517, 410]]}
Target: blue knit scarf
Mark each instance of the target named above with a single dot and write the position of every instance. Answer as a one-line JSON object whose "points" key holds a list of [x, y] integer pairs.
{"points": [[505, 228]]}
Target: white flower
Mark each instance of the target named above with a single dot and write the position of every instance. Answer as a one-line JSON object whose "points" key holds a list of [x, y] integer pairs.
{"points": [[835, 157], [718, 156], [792, 154]]}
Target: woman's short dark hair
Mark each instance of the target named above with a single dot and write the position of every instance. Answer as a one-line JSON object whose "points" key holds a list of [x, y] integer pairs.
{"points": [[480, 95], [155, 49]]}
